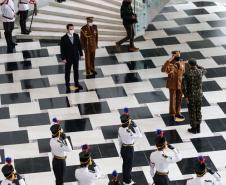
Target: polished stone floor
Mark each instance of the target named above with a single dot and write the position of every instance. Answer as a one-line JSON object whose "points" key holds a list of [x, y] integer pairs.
{"points": [[32, 92]]}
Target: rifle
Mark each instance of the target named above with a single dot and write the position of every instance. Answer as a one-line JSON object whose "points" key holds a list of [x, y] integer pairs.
{"points": [[35, 12]]}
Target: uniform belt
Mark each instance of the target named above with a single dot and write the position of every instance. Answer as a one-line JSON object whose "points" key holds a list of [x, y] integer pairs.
{"points": [[61, 158], [10, 18], [22, 3], [127, 145], [162, 173]]}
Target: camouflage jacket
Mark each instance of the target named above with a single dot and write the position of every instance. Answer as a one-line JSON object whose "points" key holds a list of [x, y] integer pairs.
{"points": [[192, 82]]}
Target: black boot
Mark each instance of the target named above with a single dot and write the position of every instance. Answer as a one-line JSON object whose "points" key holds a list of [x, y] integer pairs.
{"points": [[198, 128], [68, 90], [192, 130]]}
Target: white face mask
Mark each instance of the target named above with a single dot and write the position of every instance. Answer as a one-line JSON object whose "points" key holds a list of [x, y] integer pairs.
{"points": [[90, 24], [71, 32]]}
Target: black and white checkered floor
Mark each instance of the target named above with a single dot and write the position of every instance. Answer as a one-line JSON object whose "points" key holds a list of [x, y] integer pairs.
{"points": [[32, 93]]}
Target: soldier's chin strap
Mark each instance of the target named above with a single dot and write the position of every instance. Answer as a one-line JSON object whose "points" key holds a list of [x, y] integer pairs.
{"points": [[201, 174]]}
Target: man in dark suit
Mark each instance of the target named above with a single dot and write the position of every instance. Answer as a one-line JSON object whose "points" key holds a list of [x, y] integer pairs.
{"points": [[71, 52]]}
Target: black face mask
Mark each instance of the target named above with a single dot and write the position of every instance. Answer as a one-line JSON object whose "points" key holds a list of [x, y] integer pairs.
{"points": [[177, 59]]}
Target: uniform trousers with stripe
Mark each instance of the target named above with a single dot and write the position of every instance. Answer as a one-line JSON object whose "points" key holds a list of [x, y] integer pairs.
{"points": [[127, 153], [161, 179], [23, 20], [8, 27], [59, 166]]}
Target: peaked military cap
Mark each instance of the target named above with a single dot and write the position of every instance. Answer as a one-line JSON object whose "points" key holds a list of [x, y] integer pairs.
{"points": [[89, 19]]}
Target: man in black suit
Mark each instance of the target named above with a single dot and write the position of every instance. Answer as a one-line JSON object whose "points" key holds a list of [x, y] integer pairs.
{"points": [[71, 52]]}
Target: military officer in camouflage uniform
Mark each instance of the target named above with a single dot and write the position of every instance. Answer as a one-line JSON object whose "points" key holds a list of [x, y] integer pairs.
{"points": [[89, 42], [192, 90]]}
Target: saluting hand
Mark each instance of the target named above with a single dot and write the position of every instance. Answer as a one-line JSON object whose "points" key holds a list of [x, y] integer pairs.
{"points": [[187, 100], [64, 61]]}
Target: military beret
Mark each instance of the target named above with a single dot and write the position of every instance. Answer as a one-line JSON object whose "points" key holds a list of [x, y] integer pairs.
{"points": [[200, 167], [8, 168], [55, 128], [124, 118], [160, 139], [192, 62], [84, 157], [114, 173], [85, 147]]}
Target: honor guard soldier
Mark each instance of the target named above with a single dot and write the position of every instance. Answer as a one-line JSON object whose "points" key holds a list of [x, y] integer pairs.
{"points": [[11, 177], [23, 7], [159, 160], [86, 148], [192, 89], [59, 146], [83, 175], [201, 170], [126, 135], [115, 179], [175, 69], [8, 18], [89, 42]]}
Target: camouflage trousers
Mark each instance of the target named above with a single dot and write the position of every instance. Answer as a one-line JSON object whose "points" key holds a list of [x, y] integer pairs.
{"points": [[194, 110]]}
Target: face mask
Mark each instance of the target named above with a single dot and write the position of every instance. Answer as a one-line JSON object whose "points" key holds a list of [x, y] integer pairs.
{"points": [[90, 24], [71, 32], [177, 58]]}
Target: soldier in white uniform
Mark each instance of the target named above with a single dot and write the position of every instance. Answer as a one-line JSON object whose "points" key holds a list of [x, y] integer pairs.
{"points": [[159, 160], [23, 7], [83, 175], [126, 135], [8, 18], [203, 178], [11, 177], [86, 148], [59, 146]]}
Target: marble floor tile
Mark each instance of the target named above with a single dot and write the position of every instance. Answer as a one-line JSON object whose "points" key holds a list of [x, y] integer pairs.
{"points": [[24, 108]]}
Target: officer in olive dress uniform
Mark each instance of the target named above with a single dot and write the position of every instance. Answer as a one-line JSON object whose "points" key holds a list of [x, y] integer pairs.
{"points": [[126, 136], [115, 179], [11, 176], [192, 89], [175, 69], [160, 160], [23, 7], [8, 18], [83, 175], [59, 146], [89, 42], [202, 176]]}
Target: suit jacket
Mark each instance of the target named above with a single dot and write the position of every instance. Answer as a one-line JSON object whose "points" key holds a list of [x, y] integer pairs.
{"points": [[70, 52]]}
